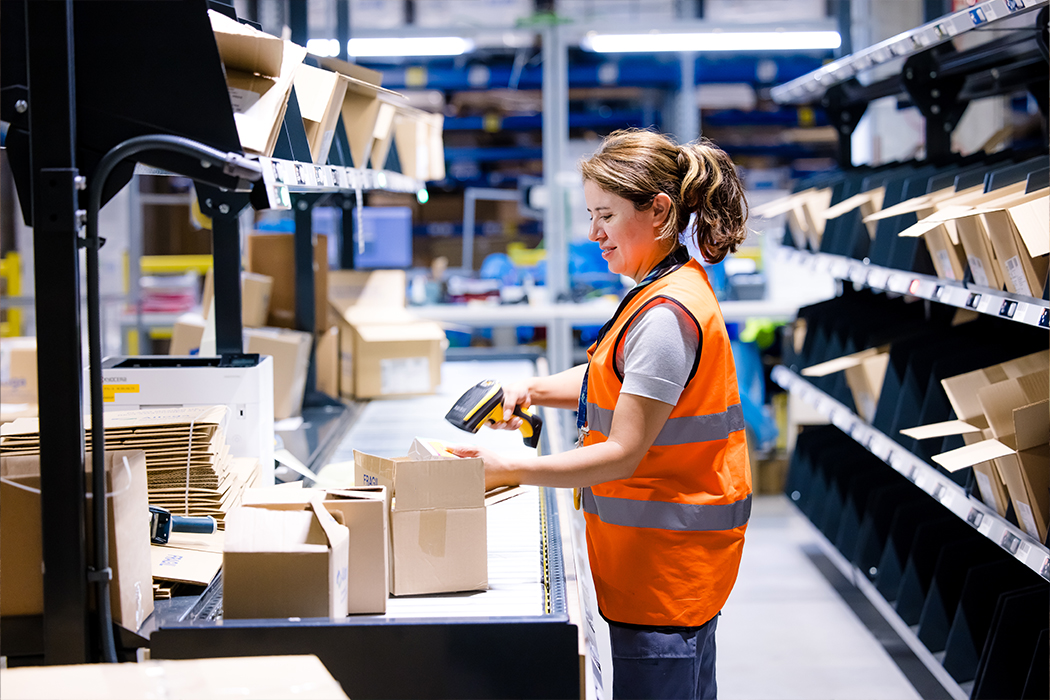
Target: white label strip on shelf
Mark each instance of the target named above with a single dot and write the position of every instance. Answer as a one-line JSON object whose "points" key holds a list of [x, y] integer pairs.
{"points": [[878, 277]]}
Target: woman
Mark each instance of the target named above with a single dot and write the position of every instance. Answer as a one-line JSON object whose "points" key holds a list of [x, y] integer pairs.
{"points": [[662, 452]]}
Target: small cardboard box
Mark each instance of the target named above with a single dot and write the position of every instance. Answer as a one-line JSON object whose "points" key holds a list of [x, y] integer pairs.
{"points": [[290, 351], [417, 136], [285, 563], [365, 510], [320, 94], [437, 520], [18, 382], [256, 290], [274, 255], [21, 545], [186, 335], [397, 359]]}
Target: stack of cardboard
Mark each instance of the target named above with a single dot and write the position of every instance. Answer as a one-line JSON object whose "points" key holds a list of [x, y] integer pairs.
{"points": [[1004, 419], [187, 560], [438, 521], [188, 467]]}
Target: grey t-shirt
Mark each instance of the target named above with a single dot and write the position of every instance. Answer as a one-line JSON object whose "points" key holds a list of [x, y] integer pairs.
{"points": [[658, 353]]}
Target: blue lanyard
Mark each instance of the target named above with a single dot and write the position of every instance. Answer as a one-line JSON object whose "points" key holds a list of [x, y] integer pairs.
{"points": [[675, 259]]}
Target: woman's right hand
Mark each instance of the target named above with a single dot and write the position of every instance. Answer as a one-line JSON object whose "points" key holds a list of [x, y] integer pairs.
{"points": [[514, 394]]}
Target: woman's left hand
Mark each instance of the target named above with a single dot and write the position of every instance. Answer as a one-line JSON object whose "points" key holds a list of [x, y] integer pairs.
{"points": [[498, 470]]}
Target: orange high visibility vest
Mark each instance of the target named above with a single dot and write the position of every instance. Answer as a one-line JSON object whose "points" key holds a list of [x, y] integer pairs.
{"points": [[665, 544]]}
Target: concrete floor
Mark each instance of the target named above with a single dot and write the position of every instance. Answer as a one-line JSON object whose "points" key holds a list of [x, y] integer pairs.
{"points": [[786, 633]]}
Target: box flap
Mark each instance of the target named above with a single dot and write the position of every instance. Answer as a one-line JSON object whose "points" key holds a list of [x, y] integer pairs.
{"points": [[935, 430], [245, 48], [440, 483], [998, 402], [967, 456], [184, 565], [1032, 425], [844, 362], [1032, 220], [261, 529], [352, 70], [873, 197], [371, 470]]}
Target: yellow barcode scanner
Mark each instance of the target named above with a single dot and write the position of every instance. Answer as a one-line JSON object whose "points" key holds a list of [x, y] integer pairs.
{"points": [[484, 402]]}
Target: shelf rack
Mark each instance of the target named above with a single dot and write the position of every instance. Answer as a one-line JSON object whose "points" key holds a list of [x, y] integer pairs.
{"points": [[811, 86], [925, 476], [1012, 307]]}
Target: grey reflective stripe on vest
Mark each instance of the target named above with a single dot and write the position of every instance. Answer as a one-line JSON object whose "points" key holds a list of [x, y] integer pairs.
{"points": [[679, 431], [686, 517]]}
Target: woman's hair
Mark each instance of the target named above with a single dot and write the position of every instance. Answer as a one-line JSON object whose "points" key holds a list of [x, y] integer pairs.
{"points": [[698, 177]]}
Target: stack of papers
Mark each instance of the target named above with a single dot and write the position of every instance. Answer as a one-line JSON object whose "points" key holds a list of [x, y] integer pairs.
{"points": [[188, 467]]}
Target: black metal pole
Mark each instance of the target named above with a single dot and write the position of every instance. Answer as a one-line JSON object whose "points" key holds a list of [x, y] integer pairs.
{"points": [[305, 315], [52, 128], [226, 266], [342, 26], [298, 21]]}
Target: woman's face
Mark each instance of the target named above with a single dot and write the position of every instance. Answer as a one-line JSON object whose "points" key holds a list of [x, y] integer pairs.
{"points": [[628, 237]]}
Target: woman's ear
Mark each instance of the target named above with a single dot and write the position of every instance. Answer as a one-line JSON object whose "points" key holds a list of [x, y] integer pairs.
{"points": [[661, 209]]}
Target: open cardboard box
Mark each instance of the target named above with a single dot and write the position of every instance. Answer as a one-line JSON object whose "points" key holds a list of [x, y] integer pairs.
{"points": [[367, 112], [259, 76], [806, 214], [21, 540], [437, 521], [1012, 433], [365, 511], [420, 151], [280, 562], [320, 94], [865, 373]]}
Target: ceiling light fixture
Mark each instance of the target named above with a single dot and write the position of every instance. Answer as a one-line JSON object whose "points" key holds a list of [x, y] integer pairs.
{"points": [[409, 46], [323, 47], [711, 41]]}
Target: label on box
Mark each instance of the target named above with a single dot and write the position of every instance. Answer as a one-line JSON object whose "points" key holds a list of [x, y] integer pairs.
{"points": [[1015, 271], [241, 99], [978, 271], [1024, 513], [404, 375], [946, 264], [984, 485]]}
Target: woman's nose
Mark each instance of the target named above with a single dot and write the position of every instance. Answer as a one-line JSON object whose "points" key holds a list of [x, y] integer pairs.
{"points": [[592, 232]]}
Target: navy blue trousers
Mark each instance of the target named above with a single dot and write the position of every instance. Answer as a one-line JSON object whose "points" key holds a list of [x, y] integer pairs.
{"points": [[664, 662]]}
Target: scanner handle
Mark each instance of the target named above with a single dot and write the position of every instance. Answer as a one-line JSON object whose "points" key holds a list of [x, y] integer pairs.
{"points": [[530, 427]]}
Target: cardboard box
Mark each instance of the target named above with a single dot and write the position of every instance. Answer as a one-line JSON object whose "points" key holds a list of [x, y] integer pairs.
{"points": [[244, 48], [1015, 426], [290, 351], [397, 359], [21, 546], [274, 255], [367, 112], [256, 290], [437, 521], [186, 335], [865, 373], [420, 149], [328, 362], [320, 94], [377, 289], [249, 678], [1023, 272], [984, 266], [285, 563], [18, 382], [365, 511]]}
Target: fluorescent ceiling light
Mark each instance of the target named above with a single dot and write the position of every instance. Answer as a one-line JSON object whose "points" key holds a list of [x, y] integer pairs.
{"points": [[410, 46], [323, 47], [711, 41]]}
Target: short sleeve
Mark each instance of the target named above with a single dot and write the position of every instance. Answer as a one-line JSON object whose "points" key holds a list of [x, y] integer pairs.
{"points": [[658, 353]]}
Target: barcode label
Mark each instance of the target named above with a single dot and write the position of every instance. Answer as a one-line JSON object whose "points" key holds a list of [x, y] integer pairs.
{"points": [[980, 276], [1015, 271], [945, 260]]}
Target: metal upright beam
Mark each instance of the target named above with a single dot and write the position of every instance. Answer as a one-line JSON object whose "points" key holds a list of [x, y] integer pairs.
{"points": [[555, 218], [52, 129]]}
